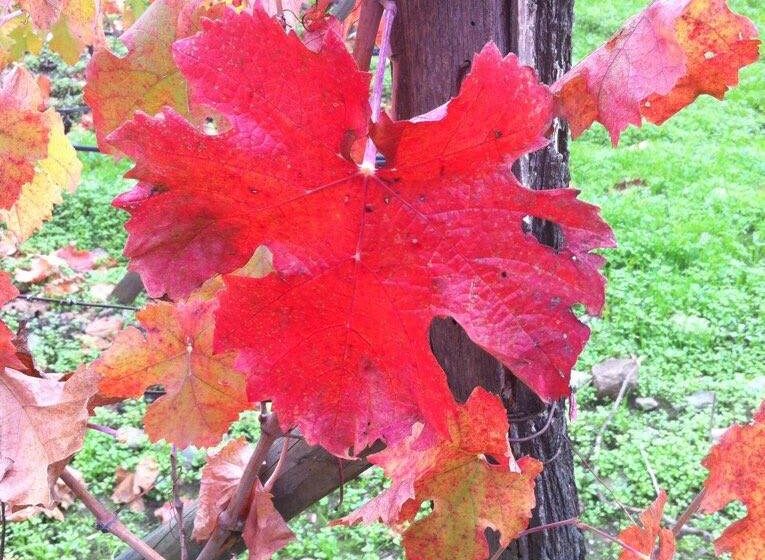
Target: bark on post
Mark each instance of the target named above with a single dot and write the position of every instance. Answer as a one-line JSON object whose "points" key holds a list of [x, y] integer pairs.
{"points": [[433, 45]]}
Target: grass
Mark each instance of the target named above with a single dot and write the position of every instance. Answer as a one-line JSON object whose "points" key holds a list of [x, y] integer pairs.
{"points": [[686, 292]]}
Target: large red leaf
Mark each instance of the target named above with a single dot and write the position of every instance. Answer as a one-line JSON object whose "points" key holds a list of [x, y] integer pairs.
{"points": [[42, 424], [469, 493], [737, 472], [365, 259], [659, 62], [649, 537], [204, 393]]}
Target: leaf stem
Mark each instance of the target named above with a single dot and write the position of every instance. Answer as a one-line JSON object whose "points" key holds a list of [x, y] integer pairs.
{"points": [[105, 519], [230, 519], [388, 15]]}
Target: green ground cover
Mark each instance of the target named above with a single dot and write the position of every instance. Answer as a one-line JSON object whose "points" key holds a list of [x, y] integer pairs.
{"points": [[686, 292]]}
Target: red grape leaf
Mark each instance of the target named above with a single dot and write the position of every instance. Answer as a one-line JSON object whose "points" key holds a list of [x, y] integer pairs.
{"points": [[469, 493], [649, 538], [42, 424], [365, 260], [265, 531], [204, 394], [659, 62], [737, 472]]}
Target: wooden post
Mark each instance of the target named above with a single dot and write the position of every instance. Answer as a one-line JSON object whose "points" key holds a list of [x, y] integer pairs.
{"points": [[433, 46]]}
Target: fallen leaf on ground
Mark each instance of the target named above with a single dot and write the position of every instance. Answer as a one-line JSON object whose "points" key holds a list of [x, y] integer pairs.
{"points": [[131, 486]]}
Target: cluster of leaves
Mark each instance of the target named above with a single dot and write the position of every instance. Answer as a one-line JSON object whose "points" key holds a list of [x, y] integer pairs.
{"points": [[329, 324]]}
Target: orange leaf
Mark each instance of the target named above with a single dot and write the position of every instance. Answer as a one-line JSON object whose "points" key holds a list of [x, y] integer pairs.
{"points": [[146, 78], [39, 163], [469, 493], [737, 472], [204, 393], [24, 132], [659, 62], [651, 538]]}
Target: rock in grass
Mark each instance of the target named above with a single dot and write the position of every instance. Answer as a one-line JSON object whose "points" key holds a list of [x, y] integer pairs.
{"points": [[701, 399], [609, 375], [646, 404]]}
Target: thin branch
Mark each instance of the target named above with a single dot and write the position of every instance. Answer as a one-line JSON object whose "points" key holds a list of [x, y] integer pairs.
{"points": [[651, 473], [268, 486], [77, 303], [230, 519], [607, 536], [103, 429], [595, 451], [389, 13], [586, 464], [178, 503], [105, 519], [692, 508], [366, 32]]}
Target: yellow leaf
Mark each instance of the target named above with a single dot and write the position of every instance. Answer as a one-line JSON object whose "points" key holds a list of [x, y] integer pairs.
{"points": [[59, 171]]}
